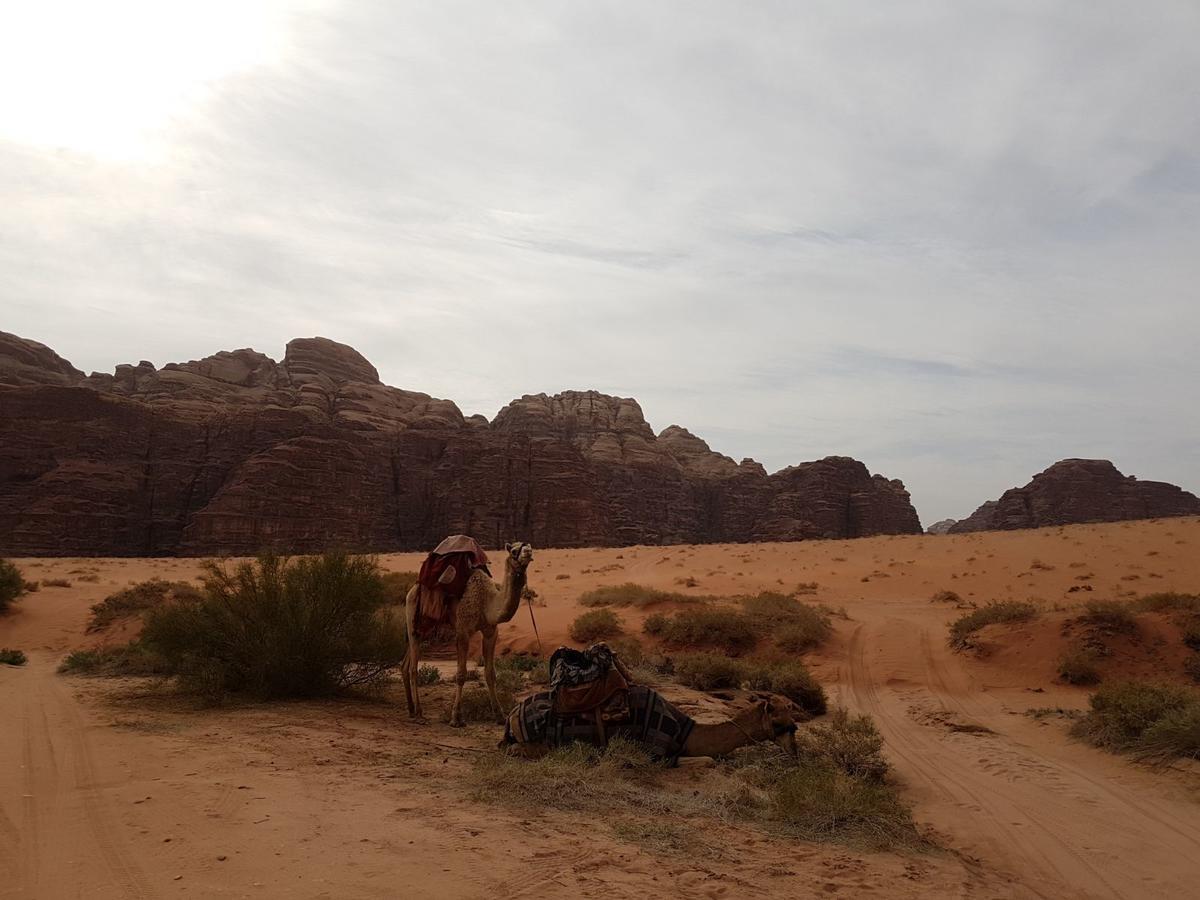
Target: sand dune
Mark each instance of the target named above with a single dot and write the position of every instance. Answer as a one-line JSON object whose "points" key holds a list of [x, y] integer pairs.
{"points": [[107, 795]]}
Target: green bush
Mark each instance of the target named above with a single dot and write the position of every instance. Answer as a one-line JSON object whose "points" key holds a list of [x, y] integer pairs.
{"points": [[1121, 713], [595, 625], [851, 744], [629, 650], [1079, 667], [12, 657], [795, 626], [1109, 614], [963, 629], [946, 597], [281, 628], [518, 662], [137, 599], [427, 675], [717, 629], [12, 585], [708, 671], [789, 678], [477, 706], [122, 659], [635, 595], [1169, 602], [1176, 734], [655, 624], [1191, 632]]}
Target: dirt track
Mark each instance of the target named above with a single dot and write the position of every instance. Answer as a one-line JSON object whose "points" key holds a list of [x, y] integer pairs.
{"points": [[107, 794]]}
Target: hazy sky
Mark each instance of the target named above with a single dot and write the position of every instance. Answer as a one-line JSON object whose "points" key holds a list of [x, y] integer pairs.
{"points": [[956, 240]]}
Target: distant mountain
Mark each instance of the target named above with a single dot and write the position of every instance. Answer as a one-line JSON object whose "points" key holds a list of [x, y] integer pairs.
{"points": [[1080, 490], [942, 527], [237, 453]]}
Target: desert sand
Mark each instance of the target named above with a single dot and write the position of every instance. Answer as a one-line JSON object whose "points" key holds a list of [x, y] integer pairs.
{"points": [[112, 789]]}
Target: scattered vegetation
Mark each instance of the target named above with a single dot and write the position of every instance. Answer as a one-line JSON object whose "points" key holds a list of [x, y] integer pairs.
{"points": [[851, 744], [280, 628], [807, 587], [1111, 615], [123, 659], [1191, 632], [811, 799], [12, 585], [635, 595], [1078, 666], [137, 599], [56, 582], [10, 657], [427, 675], [963, 629], [708, 671], [1169, 602], [946, 597], [477, 706], [714, 671], [518, 662], [595, 625], [1147, 719], [1191, 668], [718, 629]]}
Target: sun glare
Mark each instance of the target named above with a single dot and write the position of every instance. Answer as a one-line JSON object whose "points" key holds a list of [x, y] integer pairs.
{"points": [[107, 78]]}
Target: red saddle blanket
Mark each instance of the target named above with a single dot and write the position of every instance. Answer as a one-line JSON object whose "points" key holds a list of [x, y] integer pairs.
{"points": [[437, 598]]}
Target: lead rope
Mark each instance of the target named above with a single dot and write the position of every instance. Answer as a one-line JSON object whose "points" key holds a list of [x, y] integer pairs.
{"points": [[529, 600]]}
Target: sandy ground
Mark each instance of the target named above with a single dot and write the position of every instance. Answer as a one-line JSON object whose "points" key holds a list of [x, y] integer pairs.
{"points": [[114, 789]]}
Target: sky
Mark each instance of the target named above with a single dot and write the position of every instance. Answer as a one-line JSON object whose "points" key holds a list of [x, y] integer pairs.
{"points": [[956, 240]]}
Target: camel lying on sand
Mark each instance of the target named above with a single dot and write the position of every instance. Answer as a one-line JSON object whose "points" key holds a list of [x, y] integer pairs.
{"points": [[483, 606]]}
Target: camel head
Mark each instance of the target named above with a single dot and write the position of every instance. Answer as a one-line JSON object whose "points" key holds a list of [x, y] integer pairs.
{"points": [[776, 721], [520, 554]]}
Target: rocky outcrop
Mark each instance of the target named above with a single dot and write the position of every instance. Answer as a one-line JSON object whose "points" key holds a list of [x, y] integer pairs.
{"points": [[237, 453], [1075, 491], [941, 527]]}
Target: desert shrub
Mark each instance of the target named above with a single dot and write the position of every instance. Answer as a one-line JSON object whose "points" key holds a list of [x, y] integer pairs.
{"points": [[123, 659], [396, 586], [518, 662], [476, 705], [12, 585], [821, 803], [595, 625], [795, 626], [1190, 628], [427, 675], [1120, 713], [1191, 668], [540, 674], [1109, 614], [946, 597], [137, 599], [719, 629], [1176, 734], [796, 637], [1169, 602], [789, 678], [629, 650], [635, 595], [1078, 666], [655, 624], [807, 587], [31, 587], [281, 628], [708, 671], [56, 582], [851, 744], [965, 626], [11, 657]]}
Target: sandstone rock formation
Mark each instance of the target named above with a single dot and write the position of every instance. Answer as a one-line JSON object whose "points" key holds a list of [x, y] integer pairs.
{"points": [[237, 453], [941, 527], [1074, 491]]}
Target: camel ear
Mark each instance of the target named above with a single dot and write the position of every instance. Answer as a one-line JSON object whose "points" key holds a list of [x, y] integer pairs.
{"points": [[508, 548]]}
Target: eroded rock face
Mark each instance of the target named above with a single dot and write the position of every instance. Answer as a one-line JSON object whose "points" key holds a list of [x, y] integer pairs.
{"points": [[942, 526], [1076, 491], [237, 453]]}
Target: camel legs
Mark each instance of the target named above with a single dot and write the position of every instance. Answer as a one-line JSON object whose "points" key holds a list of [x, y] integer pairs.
{"points": [[489, 671], [461, 643], [412, 658]]}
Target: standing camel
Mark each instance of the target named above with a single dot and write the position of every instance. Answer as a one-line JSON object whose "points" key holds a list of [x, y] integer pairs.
{"points": [[483, 606]]}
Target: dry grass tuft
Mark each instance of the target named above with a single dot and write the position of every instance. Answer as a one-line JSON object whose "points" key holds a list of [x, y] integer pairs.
{"points": [[1078, 666], [137, 599], [963, 629], [10, 657], [1151, 720], [595, 625], [636, 595], [1110, 615], [717, 629]]}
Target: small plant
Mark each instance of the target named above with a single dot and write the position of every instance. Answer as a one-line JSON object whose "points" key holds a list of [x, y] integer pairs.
{"points": [[946, 597], [1175, 735], [1121, 713], [123, 659], [791, 679], [708, 671], [56, 582], [137, 599], [849, 743], [1191, 632], [963, 629], [1110, 615], [518, 662], [636, 595], [396, 586], [12, 585], [1169, 602], [10, 657], [807, 587], [427, 675], [1079, 667], [595, 625], [655, 624], [718, 629], [476, 705]]}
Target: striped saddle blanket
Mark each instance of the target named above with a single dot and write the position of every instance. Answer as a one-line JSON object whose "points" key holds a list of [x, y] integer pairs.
{"points": [[651, 720]]}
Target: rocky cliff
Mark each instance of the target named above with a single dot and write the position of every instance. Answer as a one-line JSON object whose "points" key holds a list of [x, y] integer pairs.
{"points": [[237, 453], [1080, 490]]}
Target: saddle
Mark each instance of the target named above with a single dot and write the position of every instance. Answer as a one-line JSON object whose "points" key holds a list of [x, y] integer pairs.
{"points": [[590, 682], [443, 579]]}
